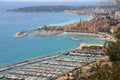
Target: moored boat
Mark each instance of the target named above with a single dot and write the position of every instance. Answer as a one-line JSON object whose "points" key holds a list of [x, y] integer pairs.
{"points": [[76, 39]]}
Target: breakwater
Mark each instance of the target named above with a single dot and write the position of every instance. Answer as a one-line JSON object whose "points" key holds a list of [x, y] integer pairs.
{"points": [[41, 31], [29, 62]]}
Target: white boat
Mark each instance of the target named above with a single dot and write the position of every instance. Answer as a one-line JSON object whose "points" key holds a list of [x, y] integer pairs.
{"points": [[76, 39]]}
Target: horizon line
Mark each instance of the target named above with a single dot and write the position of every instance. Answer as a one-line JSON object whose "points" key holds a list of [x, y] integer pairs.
{"points": [[53, 1]]}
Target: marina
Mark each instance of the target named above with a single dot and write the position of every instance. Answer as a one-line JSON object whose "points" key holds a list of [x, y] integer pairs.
{"points": [[44, 68]]}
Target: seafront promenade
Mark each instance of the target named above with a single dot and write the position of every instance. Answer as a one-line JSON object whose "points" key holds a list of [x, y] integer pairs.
{"points": [[52, 66]]}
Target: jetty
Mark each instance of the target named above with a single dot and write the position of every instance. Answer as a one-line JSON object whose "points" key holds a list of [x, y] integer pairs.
{"points": [[41, 31], [88, 45], [20, 34]]}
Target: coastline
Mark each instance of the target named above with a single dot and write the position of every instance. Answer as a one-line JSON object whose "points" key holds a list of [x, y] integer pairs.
{"points": [[93, 34], [72, 22], [61, 63], [100, 36], [25, 36], [51, 26], [50, 57]]}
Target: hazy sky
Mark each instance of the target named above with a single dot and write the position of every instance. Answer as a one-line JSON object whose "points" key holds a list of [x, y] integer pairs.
{"points": [[53, 0]]}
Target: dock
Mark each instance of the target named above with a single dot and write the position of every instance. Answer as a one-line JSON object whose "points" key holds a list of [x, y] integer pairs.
{"points": [[44, 68]]}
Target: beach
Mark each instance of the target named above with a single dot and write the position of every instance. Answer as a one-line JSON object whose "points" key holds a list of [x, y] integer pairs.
{"points": [[93, 34]]}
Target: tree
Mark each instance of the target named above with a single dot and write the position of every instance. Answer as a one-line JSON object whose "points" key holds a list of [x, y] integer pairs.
{"points": [[117, 33], [106, 73], [113, 49]]}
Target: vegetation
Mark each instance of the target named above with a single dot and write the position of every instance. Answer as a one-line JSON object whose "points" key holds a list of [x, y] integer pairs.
{"points": [[113, 49], [107, 73], [77, 74], [117, 34]]}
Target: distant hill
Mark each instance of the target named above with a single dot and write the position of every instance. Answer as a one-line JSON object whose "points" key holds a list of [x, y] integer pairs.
{"points": [[111, 4], [47, 8]]}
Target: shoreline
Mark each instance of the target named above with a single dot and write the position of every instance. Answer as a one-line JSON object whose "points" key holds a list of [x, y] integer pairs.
{"points": [[92, 34], [71, 22], [100, 37], [63, 26]]}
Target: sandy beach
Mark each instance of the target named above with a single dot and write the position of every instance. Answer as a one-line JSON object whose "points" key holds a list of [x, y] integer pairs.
{"points": [[93, 34]]}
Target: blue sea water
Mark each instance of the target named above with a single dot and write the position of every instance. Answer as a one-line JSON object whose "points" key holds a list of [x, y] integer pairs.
{"points": [[14, 50], [16, 4]]}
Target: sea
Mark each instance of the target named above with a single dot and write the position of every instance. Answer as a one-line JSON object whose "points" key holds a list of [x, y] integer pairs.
{"points": [[14, 50]]}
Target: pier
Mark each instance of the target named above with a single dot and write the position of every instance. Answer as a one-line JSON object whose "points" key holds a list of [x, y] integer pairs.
{"points": [[20, 34]]}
